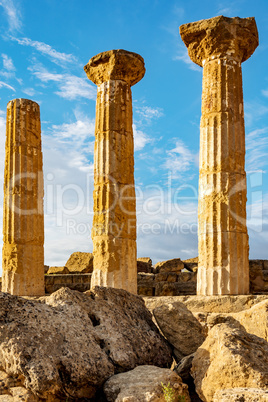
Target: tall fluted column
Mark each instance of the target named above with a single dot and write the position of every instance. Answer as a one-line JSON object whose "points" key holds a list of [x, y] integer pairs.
{"points": [[114, 223], [23, 218], [220, 45]]}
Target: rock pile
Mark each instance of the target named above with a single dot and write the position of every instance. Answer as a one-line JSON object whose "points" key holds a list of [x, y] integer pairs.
{"points": [[68, 344]]}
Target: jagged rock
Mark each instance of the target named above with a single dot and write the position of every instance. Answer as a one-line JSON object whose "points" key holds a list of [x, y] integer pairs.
{"points": [[241, 395], [81, 263], [19, 394], [230, 357], [58, 271], [68, 344], [175, 265], [191, 264], [144, 264], [183, 368], [180, 328], [205, 305], [144, 384], [254, 319]]}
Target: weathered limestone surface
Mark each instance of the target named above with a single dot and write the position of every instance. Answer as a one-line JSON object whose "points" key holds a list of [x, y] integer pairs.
{"points": [[180, 327], [114, 223], [144, 264], [241, 395], [174, 265], [230, 358], [212, 304], [220, 45], [58, 271], [254, 319], [80, 263], [66, 345], [144, 383], [23, 218]]}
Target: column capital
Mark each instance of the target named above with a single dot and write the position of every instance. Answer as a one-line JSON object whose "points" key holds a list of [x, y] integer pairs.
{"points": [[115, 65], [220, 37]]}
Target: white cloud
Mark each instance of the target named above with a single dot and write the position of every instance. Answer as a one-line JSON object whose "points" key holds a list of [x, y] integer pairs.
{"points": [[44, 75], [76, 136], [3, 84], [140, 138], [70, 86], [13, 14], [182, 55], [77, 131], [228, 9], [254, 111], [257, 149], [73, 87], [148, 113], [179, 159], [68, 173], [8, 63], [47, 50], [29, 91]]}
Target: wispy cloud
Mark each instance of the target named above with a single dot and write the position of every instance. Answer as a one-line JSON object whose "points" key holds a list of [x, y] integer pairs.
{"points": [[77, 138], [47, 50], [179, 159], [29, 91], [69, 86], [140, 138], [148, 113], [257, 149], [182, 55], [77, 131], [228, 10], [254, 110], [3, 84], [8, 63], [13, 14], [143, 117], [73, 87]]}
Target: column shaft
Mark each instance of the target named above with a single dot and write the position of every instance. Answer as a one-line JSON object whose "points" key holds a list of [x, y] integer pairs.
{"points": [[223, 239], [114, 223], [23, 219]]}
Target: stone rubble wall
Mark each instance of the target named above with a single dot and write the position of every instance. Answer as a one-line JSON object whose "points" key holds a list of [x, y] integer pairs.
{"points": [[151, 282]]}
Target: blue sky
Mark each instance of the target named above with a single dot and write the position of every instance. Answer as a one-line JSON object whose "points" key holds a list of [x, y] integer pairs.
{"points": [[44, 46]]}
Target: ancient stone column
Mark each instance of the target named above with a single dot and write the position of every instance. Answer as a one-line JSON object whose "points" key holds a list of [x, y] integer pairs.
{"points": [[23, 218], [114, 222], [220, 45]]}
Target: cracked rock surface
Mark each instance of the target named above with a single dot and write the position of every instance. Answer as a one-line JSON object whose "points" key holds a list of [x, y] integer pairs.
{"points": [[66, 345]]}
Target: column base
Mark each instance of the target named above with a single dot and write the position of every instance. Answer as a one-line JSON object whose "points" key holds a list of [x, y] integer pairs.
{"points": [[115, 263], [23, 270]]}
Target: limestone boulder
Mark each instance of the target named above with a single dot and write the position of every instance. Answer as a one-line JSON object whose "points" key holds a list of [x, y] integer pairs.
{"points": [[208, 304], [241, 395], [191, 264], [180, 327], [144, 264], [175, 265], [58, 271], [228, 358], [80, 263], [145, 384], [183, 368], [68, 344], [254, 319]]}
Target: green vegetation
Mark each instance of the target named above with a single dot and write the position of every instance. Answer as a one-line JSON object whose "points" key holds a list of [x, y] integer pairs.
{"points": [[170, 394]]}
